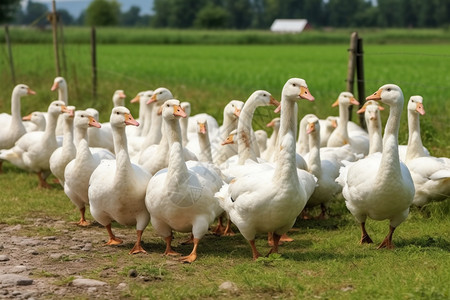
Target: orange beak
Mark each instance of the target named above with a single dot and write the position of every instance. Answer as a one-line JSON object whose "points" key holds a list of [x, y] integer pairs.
{"points": [[335, 103], [93, 122], [31, 92], [311, 128], [274, 102], [179, 112], [27, 117], [129, 120], [202, 128], [152, 99], [237, 112], [354, 101], [305, 94], [135, 99], [375, 96], [54, 86], [420, 109], [228, 140]]}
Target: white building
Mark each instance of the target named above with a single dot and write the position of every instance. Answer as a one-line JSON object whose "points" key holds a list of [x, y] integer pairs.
{"points": [[289, 25]]}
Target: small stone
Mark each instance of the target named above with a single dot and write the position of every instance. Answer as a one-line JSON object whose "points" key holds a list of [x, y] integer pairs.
{"points": [[33, 252], [14, 279], [18, 269], [122, 286], [16, 293], [56, 256], [92, 290], [49, 238], [78, 247], [132, 273], [1, 247], [228, 286], [84, 282], [87, 247], [4, 258]]}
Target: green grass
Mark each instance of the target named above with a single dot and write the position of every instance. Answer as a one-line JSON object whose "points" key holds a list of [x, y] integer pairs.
{"points": [[325, 259]]}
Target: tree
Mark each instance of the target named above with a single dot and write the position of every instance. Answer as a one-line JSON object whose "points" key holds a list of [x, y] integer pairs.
{"points": [[65, 17], [35, 14], [131, 17], [212, 17], [8, 9], [103, 13], [240, 13]]}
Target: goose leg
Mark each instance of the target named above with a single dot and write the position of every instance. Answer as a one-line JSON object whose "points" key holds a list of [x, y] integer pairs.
{"points": [[190, 240], [193, 256], [276, 240], [169, 251], [113, 240], [137, 248], [83, 221], [228, 231], [42, 182], [365, 238], [255, 252], [323, 213], [387, 242], [219, 230]]}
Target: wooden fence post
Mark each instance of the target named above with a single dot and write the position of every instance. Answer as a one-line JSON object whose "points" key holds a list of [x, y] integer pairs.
{"points": [[11, 63], [360, 80], [94, 63], [54, 20], [351, 67]]}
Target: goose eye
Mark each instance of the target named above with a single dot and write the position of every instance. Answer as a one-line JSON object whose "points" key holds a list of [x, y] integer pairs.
{"points": [[412, 100], [117, 113], [388, 89], [294, 84], [167, 105]]}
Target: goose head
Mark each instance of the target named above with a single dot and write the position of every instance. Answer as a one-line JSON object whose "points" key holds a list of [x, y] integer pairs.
{"points": [[389, 94], [160, 94], [230, 138], [296, 88], [186, 106], [119, 98], [85, 119], [23, 90], [331, 121], [59, 83], [346, 99], [202, 126], [121, 117], [37, 118], [371, 110], [171, 109], [313, 126], [93, 112], [263, 98], [57, 107], [142, 97], [275, 124], [69, 112], [415, 105], [233, 108]]}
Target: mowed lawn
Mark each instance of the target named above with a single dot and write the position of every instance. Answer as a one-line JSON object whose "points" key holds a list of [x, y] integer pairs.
{"points": [[325, 259]]}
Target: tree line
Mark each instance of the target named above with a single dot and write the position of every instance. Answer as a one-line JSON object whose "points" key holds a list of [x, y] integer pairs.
{"points": [[242, 14]]}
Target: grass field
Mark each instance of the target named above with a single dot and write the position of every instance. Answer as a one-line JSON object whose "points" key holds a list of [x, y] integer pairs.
{"points": [[325, 260]]}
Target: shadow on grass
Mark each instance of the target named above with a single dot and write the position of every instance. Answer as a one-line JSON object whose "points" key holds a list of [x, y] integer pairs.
{"points": [[424, 242]]}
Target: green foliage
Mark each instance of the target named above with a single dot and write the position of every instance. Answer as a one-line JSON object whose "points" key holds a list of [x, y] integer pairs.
{"points": [[103, 13], [8, 9], [212, 17]]}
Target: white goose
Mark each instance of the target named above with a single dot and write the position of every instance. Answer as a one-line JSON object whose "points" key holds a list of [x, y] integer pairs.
{"points": [[117, 187], [414, 148], [181, 197], [371, 111], [303, 139], [270, 200], [100, 137], [327, 126], [358, 141], [79, 170], [380, 186], [12, 127], [184, 124], [145, 112], [326, 170], [64, 154], [231, 114], [60, 84], [261, 139], [36, 120], [431, 175], [33, 150], [273, 140]]}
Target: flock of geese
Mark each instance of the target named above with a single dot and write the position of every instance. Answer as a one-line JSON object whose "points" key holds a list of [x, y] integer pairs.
{"points": [[183, 172]]}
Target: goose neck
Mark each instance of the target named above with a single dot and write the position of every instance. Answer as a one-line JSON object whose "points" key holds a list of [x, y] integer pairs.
{"points": [[244, 133], [314, 164], [205, 148], [415, 146], [390, 163]]}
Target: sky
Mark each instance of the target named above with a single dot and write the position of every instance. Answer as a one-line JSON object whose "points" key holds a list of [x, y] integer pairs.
{"points": [[75, 7]]}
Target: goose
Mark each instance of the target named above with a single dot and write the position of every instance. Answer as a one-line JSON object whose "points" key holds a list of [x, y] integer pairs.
{"points": [[118, 98], [156, 157], [64, 154], [271, 199], [273, 140], [117, 187], [33, 150], [380, 186], [325, 170], [431, 175], [184, 123], [212, 123], [60, 84], [79, 170], [203, 148], [100, 137], [261, 140], [414, 148], [36, 120], [326, 128], [12, 127], [303, 139], [359, 142], [181, 197], [231, 114], [371, 111], [145, 112]]}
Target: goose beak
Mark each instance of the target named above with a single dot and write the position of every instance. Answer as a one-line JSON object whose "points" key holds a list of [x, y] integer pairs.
{"points": [[179, 112], [311, 128], [237, 112], [152, 99], [335, 103], [271, 123], [31, 92], [93, 122], [380, 107], [274, 102], [228, 140], [202, 128], [135, 99], [373, 116], [354, 101], [129, 120], [54, 86], [305, 94], [361, 110], [334, 123], [420, 109], [27, 117], [278, 109], [122, 95], [375, 96]]}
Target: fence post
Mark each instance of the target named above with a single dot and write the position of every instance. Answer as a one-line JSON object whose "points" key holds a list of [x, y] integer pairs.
{"points": [[351, 67], [360, 80], [94, 63], [11, 63], [54, 20]]}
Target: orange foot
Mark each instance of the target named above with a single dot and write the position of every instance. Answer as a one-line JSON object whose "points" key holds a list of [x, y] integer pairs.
{"points": [[83, 223], [114, 241], [188, 259], [171, 253], [137, 249], [365, 239]]}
